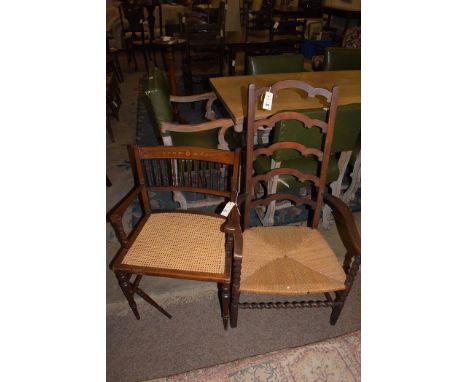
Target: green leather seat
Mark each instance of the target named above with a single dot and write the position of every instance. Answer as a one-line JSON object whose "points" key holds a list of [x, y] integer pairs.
{"points": [[342, 59], [280, 63], [158, 88], [346, 137]]}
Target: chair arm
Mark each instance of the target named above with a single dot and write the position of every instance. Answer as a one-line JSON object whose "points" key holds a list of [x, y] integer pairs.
{"points": [[347, 228], [224, 124], [116, 214], [211, 97]]}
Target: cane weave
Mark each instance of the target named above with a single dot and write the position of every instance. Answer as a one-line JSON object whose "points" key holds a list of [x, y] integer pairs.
{"points": [[289, 260], [179, 241]]}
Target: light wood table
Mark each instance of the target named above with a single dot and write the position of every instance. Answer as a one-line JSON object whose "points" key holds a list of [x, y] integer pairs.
{"points": [[232, 91]]}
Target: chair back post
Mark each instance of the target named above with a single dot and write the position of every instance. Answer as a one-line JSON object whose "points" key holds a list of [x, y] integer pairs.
{"points": [[235, 174], [326, 155], [141, 179], [252, 100]]}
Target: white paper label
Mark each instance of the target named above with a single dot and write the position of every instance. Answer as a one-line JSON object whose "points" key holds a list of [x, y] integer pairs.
{"points": [[141, 21], [227, 208], [183, 19], [275, 27], [233, 63], [268, 101], [115, 103]]}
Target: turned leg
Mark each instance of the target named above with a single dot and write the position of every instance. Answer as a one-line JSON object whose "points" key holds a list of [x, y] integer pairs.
{"points": [[235, 292], [128, 292], [225, 304]]}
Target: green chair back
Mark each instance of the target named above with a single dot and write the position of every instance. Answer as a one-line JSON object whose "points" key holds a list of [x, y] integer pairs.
{"points": [[342, 59], [280, 63]]}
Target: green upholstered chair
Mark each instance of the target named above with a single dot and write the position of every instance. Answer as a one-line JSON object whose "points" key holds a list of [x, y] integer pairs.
{"points": [[345, 140], [280, 63], [215, 133], [342, 59]]}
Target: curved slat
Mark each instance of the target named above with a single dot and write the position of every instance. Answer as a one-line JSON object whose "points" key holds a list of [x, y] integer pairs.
{"points": [[308, 122], [286, 84], [297, 201], [285, 171], [289, 145]]}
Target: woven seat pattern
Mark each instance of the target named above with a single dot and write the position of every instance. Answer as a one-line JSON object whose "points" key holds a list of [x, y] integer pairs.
{"points": [[289, 260], [180, 241]]}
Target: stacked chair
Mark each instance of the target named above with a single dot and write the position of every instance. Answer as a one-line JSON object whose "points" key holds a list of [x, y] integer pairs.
{"points": [[203, 57]]}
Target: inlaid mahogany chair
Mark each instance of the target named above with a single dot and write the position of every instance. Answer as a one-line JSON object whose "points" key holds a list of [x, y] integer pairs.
{"points": [[180, 244], [292, 260]]}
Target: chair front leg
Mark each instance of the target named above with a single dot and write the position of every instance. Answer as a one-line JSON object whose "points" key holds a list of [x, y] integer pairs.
{"points": [[235, 292], [225, 297], [127, 290]]}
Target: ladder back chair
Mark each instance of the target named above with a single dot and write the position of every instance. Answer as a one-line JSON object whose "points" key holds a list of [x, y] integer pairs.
{"points": [[292, 260], [192, 245]]}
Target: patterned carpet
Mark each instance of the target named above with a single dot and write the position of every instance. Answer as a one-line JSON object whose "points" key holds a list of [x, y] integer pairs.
{"points": [[335, 360]]}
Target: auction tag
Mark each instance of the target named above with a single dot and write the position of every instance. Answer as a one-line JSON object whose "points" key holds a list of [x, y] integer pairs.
{"points": [[267, 100], [227, 208]]}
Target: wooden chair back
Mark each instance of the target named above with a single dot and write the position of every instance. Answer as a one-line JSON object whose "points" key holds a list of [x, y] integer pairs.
{"points": [[257, 19], [315, 199], [186, 169]]}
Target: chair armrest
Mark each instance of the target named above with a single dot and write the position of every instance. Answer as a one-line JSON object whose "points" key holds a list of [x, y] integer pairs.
{"points": [[347, 228], [116, 214], [211, 97], [232, 227], [223, 124]]}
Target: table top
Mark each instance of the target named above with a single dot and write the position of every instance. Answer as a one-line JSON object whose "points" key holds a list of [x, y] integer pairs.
{"points": [[232, 91]]}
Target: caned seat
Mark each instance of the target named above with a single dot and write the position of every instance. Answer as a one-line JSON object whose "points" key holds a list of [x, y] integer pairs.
{"points": [[195, 243], [289, 260]]}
